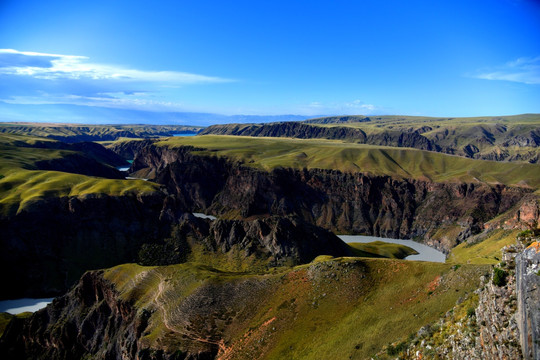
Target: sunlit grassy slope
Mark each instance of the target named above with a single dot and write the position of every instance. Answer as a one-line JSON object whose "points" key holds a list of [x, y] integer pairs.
{"points": [[356, 306], [486, 250], [270, 153], [21, 183]]}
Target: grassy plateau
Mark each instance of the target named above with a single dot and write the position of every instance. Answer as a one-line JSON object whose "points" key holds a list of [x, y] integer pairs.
{"points": [[271, 153]]}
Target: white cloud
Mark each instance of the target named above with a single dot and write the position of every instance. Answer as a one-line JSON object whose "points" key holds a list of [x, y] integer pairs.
{"points": [[360, 105], [523, 70], [118, 101], [55, 66], [355, 107]]}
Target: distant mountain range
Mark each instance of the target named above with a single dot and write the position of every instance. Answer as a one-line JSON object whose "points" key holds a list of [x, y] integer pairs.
{"points": [[75, 114]]}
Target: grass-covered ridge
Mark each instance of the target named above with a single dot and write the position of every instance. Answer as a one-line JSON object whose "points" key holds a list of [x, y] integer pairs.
{"points": [[483, 249], [356, 306], [270, 153], [21, 183]]}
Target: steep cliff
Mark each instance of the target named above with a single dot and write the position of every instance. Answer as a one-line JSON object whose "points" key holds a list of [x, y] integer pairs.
{"points": [[528, 291], [48, 245], [303, 130], [284, 240], [127, 149], [338, 201]]}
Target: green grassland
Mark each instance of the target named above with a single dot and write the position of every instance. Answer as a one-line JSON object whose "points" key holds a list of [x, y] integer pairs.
{"points": [[485, 249], [21, 183], [356, 305], [271, 153], [382, 249]]}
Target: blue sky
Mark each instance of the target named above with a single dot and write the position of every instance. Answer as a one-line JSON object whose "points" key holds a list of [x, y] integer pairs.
{"points": [[433, 58]]}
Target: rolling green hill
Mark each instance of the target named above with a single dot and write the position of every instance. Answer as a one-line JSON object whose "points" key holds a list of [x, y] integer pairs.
{"points": [[22, 182]]}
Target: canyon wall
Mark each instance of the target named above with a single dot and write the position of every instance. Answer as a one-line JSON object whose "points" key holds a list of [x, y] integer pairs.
{"points": [[342, 202]]}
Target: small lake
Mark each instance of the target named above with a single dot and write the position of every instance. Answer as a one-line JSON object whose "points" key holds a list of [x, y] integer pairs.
{"points": [[186, 134], [425, 253], [23, 305]]}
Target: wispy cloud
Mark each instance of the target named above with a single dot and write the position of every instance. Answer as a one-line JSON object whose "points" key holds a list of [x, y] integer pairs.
{"points": [[523, 70], [116, 101], [55, 66], [355, 107]]}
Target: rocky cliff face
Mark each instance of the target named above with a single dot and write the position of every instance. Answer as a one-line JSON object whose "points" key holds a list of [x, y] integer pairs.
{"points": [[246, 244], [128, 149], [524, 215], [283, 239], [90, 319], [306, 131], [47, 246], [487, 324], [341, 202], [528, 290]]}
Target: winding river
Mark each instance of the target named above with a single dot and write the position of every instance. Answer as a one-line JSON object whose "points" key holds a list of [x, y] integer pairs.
{"points": [[425, 253]]}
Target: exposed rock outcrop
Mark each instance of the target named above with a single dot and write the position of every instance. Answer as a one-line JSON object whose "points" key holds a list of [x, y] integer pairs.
{"points": [[283, 239], [528, 291], [90, 320], [523, 215], [128, 149], [484, 325]]}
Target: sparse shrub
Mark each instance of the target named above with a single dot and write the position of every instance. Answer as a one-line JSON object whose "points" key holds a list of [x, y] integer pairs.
{"points": [[391, 350], [499, 277], [471, 312], [525, 233], [455, 267], [395, 350]]}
